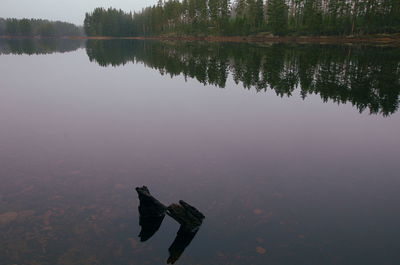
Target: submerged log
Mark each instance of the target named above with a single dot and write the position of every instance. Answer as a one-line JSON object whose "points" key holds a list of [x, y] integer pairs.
{"points": [[188, 216], [151, 213]]}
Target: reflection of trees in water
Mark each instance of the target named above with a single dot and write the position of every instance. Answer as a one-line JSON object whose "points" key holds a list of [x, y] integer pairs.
{"points": [[39, 46], [368, 77]]}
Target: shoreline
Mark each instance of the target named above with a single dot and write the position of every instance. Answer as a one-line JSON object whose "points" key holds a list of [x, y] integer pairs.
{"points": [[375, 39], [367, 39]]}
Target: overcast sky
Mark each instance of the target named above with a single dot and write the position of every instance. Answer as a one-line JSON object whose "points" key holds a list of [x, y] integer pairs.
{"points": [[64, 10]]}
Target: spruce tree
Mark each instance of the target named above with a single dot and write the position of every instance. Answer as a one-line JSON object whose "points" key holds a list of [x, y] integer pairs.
{"points": [[277, 16]]}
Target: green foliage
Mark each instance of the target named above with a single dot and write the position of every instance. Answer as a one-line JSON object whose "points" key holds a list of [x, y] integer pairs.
{"points": [[2, 26], [47, 30], [12, 27], [244, 17], [277, 16], [110, 22], [25, 27], [259, 14], [37, 27]]}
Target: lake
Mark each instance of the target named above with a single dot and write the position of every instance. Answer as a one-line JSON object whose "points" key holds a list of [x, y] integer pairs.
{"points": [[290, 151]]}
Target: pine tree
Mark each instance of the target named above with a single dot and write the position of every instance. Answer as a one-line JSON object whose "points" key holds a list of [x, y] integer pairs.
{"points": [[277, 16], [259, 14]]}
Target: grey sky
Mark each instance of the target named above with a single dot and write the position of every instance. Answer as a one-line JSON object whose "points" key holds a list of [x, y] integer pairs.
{"points": [[64, 10]]}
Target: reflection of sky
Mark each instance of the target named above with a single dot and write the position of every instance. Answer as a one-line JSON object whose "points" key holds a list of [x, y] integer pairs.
{"points": [[135, 108], [227, 151]]}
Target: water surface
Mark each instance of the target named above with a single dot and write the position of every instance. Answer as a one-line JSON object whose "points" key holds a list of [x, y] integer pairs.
{"points": [[290, 151]]}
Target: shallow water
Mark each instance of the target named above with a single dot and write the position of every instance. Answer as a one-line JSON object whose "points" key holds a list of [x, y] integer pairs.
{"points": [[290, 151]]}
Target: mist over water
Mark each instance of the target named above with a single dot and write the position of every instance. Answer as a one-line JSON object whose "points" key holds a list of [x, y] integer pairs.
{"points": [[290, 151]]}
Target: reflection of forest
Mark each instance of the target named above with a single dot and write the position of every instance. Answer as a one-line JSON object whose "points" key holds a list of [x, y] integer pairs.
{"points": [[39, 46], [368, 77]]}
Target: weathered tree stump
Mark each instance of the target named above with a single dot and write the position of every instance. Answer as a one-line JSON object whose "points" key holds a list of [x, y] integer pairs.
{"points": [[151, 213], [149, 206], [188, 216]]}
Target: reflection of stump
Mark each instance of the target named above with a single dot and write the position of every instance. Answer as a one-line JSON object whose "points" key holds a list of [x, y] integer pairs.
{"points": [[151, 213], [189, 217], [149, 226], [182, 240]]}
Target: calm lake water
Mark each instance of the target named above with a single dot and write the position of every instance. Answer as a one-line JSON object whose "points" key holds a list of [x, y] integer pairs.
{"points": [[290, 151]]}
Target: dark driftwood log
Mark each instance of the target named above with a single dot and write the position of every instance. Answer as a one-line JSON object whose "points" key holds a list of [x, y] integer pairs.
{"points": [[189, 217], [151, 213]]}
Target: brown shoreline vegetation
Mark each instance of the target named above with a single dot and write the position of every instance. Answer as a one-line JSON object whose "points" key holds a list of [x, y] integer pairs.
{"points": [[393, 39]]}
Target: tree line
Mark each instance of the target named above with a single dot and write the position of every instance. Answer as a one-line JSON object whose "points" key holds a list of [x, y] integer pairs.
{"points": [[38, 27], [342, 74], [245, 17]]}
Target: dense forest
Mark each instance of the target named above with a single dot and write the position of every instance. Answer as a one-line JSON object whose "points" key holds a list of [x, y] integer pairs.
{"points": [[246, 17], [38, 27], [338, 73]]}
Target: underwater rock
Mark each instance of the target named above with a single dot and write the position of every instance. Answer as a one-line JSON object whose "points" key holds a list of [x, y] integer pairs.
{"points": [[7, 218]]}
